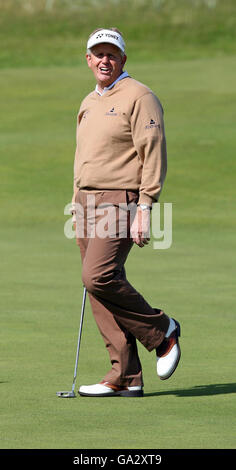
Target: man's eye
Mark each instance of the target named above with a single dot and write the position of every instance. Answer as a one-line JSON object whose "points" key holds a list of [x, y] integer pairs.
{"points": [[101, 55]]}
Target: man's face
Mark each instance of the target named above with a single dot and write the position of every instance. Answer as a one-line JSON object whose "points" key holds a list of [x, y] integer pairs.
{"points": [[106, 63]]}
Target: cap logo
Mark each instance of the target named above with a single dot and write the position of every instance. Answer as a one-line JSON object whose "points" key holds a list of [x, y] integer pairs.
{"points": [[106, 36]]}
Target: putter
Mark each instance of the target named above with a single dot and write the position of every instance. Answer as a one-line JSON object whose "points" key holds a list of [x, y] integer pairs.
{"points": [[72, 394]]}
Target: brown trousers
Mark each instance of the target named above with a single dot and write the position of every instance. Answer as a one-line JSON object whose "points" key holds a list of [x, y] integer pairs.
{"points": [[121, 313]]}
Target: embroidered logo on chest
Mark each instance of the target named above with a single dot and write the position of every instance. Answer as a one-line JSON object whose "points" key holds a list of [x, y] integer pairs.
{"points": [[111, 112], [85, 114]]}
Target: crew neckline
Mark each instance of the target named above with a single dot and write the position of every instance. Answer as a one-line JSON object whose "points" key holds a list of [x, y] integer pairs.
{"points": [[106, 89]]}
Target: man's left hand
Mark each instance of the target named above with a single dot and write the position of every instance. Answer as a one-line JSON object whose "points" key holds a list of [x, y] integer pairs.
{"points": [[140, 228]]}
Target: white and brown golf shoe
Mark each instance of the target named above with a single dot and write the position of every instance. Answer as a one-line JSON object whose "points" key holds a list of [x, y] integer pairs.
{"points": [[105, 389], [168, 353]]}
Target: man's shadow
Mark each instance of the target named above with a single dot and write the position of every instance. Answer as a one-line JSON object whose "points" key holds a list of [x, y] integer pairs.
{"points": [[198, 391]]}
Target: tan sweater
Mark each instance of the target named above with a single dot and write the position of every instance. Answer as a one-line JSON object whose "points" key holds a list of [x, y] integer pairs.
{"points": [[121, 141]]}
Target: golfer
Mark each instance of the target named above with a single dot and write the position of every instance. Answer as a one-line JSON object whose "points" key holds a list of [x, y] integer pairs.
{"points": [[119, 170]]}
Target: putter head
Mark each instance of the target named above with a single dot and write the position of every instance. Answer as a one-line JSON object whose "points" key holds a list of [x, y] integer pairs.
{"points": [[66, 394]]}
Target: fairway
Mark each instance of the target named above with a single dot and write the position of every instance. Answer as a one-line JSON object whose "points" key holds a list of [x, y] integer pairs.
{"points": [[41, 289]]}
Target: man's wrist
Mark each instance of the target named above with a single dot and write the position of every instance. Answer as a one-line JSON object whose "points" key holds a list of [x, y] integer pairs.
{"points": [[144, 207]]}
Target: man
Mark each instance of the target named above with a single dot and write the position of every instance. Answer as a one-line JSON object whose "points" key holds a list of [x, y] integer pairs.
{"points": [[120, 163]]}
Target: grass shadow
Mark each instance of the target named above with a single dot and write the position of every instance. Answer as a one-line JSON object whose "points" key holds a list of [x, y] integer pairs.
{"points": [[198, 390]]}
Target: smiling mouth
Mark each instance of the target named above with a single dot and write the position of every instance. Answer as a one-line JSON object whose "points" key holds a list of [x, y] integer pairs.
{"points": [[105, 70]]}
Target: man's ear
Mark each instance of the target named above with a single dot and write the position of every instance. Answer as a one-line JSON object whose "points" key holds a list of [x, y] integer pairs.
{"points": [[124, 58], [88, 58]]}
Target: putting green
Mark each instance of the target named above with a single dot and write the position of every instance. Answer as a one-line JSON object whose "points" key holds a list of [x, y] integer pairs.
{"points": [[41, 290]]}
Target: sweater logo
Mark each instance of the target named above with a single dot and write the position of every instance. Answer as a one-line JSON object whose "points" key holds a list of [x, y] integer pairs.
{"points": [[85, 114], [152, 124], [111, 112]]}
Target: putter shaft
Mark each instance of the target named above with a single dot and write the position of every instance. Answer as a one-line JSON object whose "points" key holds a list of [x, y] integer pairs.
{"points": [[72, 393]]}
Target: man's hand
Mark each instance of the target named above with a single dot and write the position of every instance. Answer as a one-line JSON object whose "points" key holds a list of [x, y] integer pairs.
{"points": [[140, 228]]}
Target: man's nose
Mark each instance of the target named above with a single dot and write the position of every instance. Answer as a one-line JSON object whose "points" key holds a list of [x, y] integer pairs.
{"points": [[105, 59]]}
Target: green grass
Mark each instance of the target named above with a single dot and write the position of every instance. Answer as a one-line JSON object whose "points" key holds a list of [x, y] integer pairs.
{"points": [[30, 35], [41, 288], [42, 82]]}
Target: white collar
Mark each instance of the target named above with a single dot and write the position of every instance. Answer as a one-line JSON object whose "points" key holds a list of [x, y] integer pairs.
{"points": [[123, 75]]}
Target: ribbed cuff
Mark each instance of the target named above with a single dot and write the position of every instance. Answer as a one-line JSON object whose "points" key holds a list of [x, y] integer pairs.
{"points": [[145, 199]]}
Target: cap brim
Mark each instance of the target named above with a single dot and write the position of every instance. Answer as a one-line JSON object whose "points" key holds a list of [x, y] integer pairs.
{"points": [[106, 37]]}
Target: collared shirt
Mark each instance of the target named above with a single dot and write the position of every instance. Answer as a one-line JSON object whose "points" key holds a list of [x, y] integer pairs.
{"points": [[123, 75]]}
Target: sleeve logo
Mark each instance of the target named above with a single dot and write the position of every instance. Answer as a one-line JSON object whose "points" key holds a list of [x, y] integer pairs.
{"points": [[152, 124]]}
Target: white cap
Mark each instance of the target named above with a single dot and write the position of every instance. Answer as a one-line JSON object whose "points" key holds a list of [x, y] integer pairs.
{"points": [[107, 36]]}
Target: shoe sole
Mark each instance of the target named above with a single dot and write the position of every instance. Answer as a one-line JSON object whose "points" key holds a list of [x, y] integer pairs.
{"points": [[178, 358], [131, 393], [122, 393]]}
